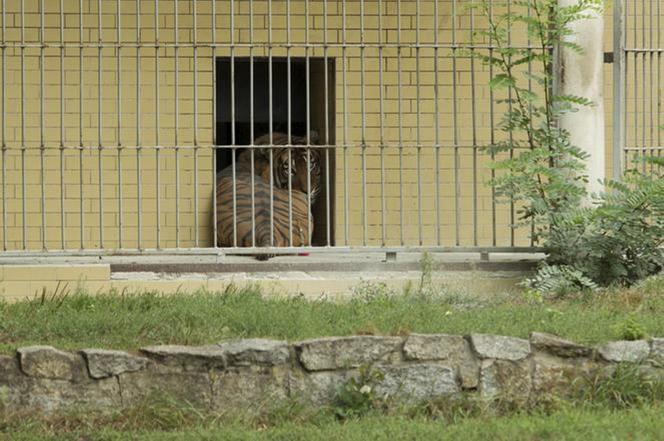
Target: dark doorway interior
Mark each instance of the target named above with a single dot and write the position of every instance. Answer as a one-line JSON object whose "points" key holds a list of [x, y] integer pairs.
{"points": [[261, 115]]}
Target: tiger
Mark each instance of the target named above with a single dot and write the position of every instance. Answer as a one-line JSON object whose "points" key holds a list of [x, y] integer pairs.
{"points": [[302, 219]]}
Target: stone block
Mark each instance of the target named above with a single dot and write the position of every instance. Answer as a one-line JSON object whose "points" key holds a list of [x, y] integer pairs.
{"points": [[256, 351], [625, 351], [48, 362], [554, 375], [187, 358], [454, 349], [49, 395], [104, 363], [557, 346], [318, 388], [657, 351], [505, 379], [347, 352], [500, 347], [253, 388], [416, 382], [189, 387]]}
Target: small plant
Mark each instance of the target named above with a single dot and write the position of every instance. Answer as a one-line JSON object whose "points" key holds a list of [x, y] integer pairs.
{"points": [[630, 329], [627, 386], [357, 396]]}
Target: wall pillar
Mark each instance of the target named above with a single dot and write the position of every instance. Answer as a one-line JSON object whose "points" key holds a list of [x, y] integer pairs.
{"points": [[582, 75]]}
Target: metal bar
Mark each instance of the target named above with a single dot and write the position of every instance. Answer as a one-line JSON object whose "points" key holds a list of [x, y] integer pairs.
{"points": [[473, 112], [636, 82], [455, 123], [400, 112], [4, 130], [156, 120], [437, 123], [509, 91], [418, 122], [289, 128], [364, 128], [23, 190], [138, 127], [308, 104], [644, 141], [214, 119], [345, 131], [177, 122], [100, 126], [80, 121], [327, 130], [41, 125], [196, 232], [270, 118], [233, 150], [493, 142], [251, 122], [383, 206], [118, 20]]}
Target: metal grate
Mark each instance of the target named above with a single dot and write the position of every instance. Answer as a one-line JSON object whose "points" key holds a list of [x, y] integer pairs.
{"points": [[111, 122]]}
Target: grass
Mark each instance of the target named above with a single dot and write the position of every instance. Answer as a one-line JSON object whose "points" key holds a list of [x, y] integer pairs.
{"points": [[127, 321], [601, 425]]}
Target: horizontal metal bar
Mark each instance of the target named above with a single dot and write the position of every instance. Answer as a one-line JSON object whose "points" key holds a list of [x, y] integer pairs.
{"points": [[261, 45], [267, 250]]}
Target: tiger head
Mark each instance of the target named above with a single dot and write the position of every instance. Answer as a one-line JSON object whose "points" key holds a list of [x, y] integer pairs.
{"points": [[304, 166]]}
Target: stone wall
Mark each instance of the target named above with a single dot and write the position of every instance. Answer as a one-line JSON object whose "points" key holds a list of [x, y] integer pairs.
{"points": [[247, 374]]}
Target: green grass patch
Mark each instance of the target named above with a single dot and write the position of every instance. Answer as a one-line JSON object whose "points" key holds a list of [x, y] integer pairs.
{"points": [[129, 321]]}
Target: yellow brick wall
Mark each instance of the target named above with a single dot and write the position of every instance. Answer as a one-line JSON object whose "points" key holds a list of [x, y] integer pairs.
{"points": [[471, 113]]}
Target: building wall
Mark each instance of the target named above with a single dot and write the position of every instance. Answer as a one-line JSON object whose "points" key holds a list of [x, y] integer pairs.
{"points": [[463, 121]]}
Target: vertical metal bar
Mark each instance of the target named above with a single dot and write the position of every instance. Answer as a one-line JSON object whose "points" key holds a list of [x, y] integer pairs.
{"points": [[196, 233], [327, 131], [418, 121], [288, 123], [382, 125], [651, 92], [41, 124], [80, 119], [233, 151], [177, 122], [118, 66], [400, 112], [23, 190], [345, 131], [139, 147], [659, 84], [644, 142], [473, 121], [156, 120], [308, 103], [509, 90], [99, 126], [270, 116], [364, 125], [636, 80], [455, 123], [251, 121], [492, 140], [215, 141], [437, 123], [4, 131]]}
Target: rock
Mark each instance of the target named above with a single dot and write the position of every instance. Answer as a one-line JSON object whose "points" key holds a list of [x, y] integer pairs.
{"points": [[555, 375], [152, 383], [500, 347], [255, 351], [452, 348], [48, 362], [347, 352], [9, 369], [187, 358], [625, 351], [105, 363], [657, 351], [253, 389], [433, 347], [318, 388], [505, 379], [558, 346], [417, 382], [50, 396]]}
